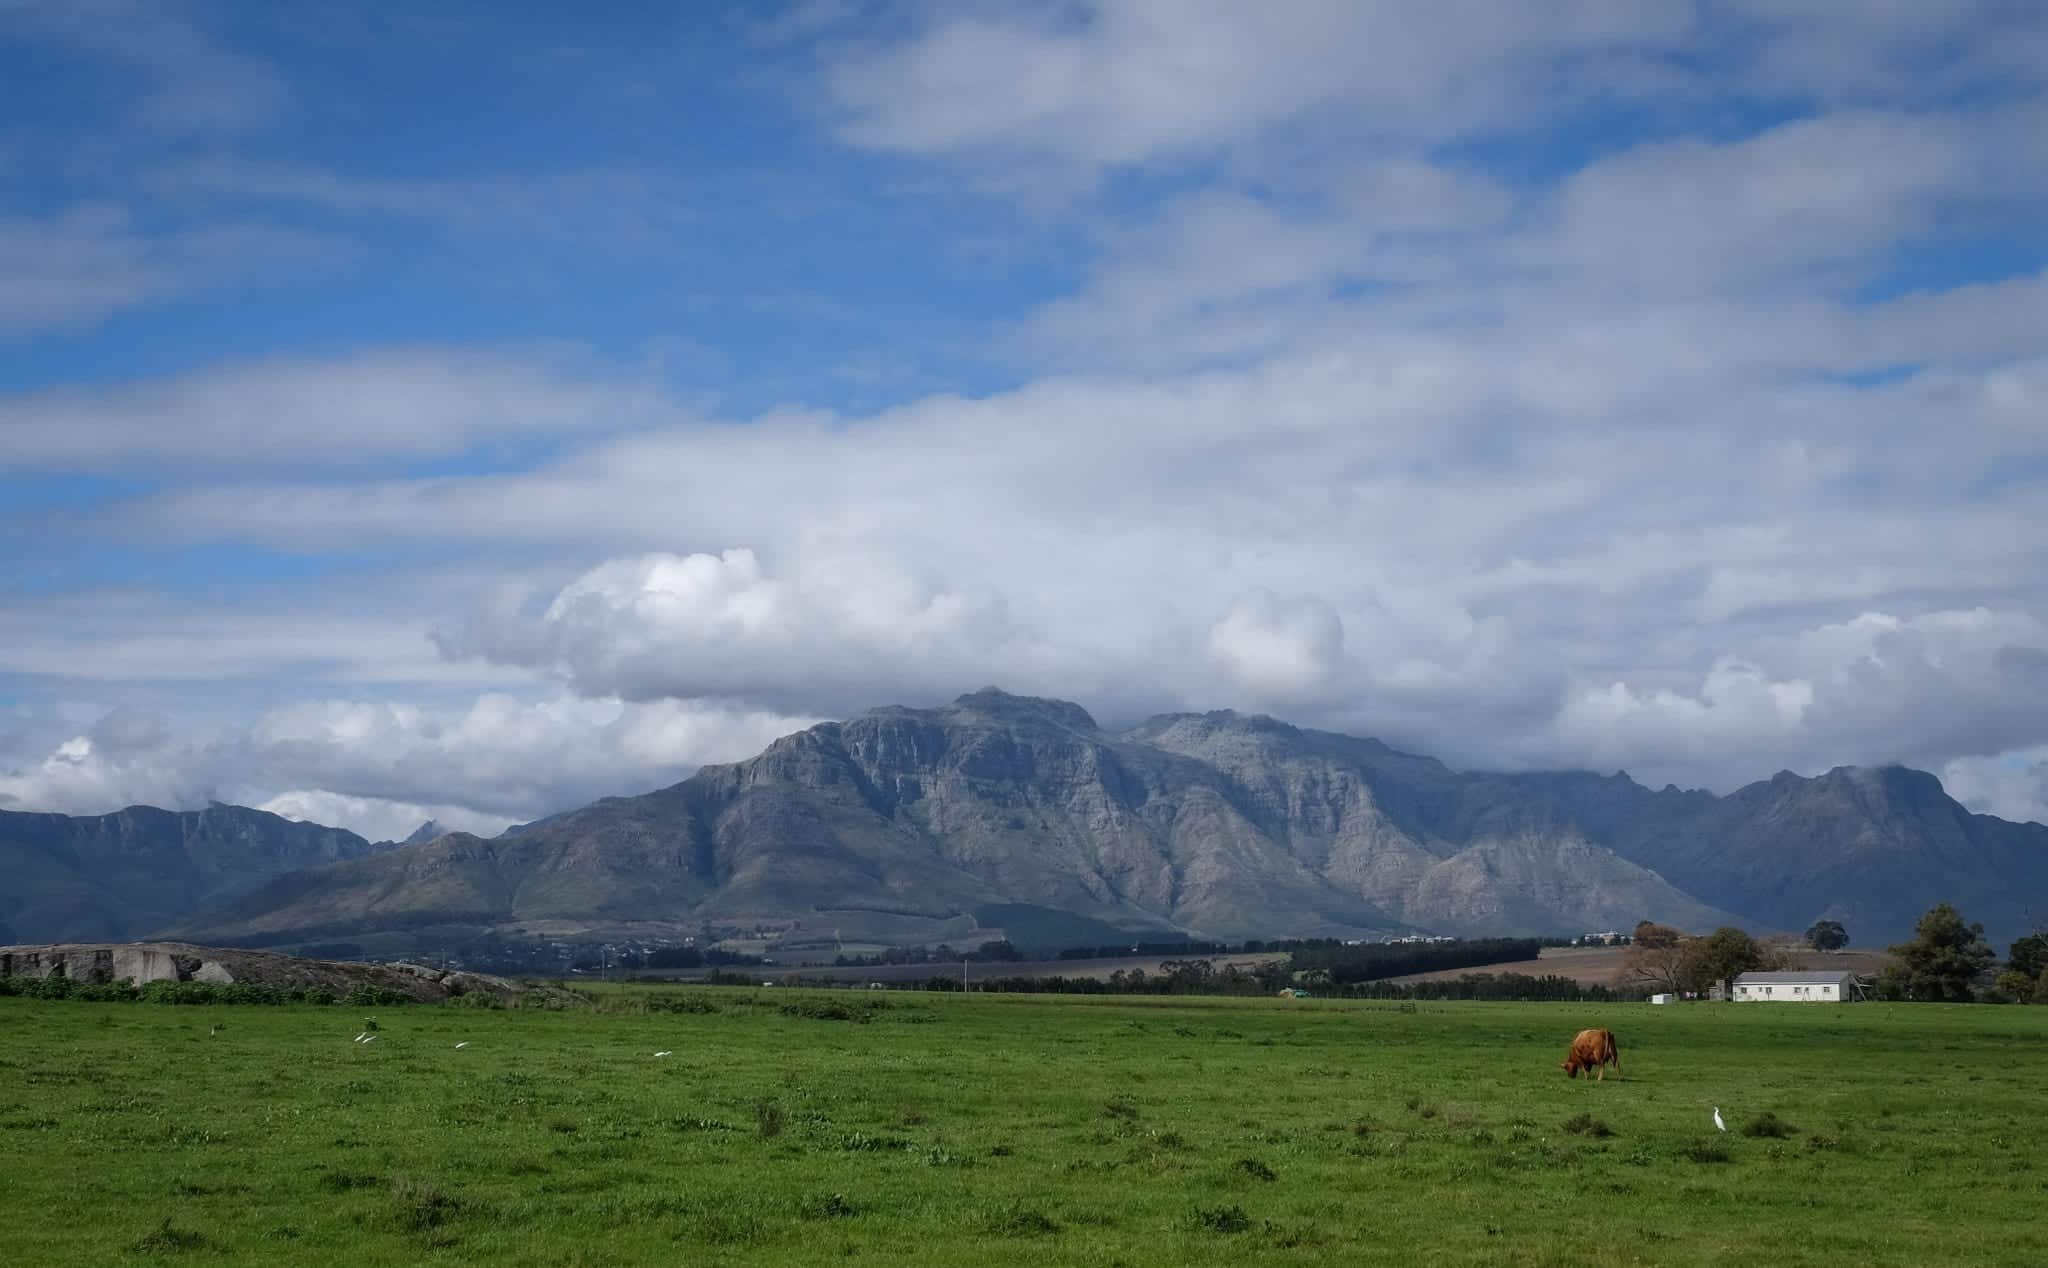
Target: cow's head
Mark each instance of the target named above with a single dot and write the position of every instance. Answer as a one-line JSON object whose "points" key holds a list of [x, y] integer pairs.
{"points": [[1571, 1066]]}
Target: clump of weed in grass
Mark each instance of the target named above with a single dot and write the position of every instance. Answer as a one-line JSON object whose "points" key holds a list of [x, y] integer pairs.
{"points": [[1220, 1219], [913, 1116], [1013, 1220], [721, 1226], [768, 1119], [835, 1010], [1000, 1151], [692, 1123], [566, 1126], [1407, 1006], [1254, 1168], [680, 1002], [1427, 1111], [940, 1156], [862, 1143], [833, 1206], [1482, 1138], [343, 1181], [1586, 1125], [526, 1167], [1361, 1128], [1703, 1150], [1122, 1107], [421, 1204], [1768, 1124], [168, 1239], [37, 1124], [1284, 1237], [1184, 1032], [1166, 1140], [282, 1233]]}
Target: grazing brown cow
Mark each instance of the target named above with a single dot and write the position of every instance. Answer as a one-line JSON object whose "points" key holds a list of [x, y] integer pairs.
{"points": [[1593, 1050]]}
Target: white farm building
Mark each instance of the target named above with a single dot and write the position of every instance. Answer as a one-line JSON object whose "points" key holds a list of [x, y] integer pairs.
{"points": [[1803, 986]]}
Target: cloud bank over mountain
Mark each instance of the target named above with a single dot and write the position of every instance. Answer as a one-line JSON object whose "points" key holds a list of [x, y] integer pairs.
{"points": [[1649, 387]]}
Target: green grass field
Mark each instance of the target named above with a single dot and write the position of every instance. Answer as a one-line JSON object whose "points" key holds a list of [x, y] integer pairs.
{"points": [[949, 1130]]}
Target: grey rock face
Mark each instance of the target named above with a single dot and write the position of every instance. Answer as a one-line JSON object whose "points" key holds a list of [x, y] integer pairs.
{"points": [[139, 870]]}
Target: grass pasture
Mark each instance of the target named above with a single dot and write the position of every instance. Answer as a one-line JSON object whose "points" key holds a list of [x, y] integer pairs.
{"points": [[949, 1130]]}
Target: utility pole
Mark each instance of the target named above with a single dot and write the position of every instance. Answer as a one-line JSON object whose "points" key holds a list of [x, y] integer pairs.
{"points": [[964, 988]]}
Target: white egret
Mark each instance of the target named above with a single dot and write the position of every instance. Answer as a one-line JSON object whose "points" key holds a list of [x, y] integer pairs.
{"points": [[665, 1053], [464, 1044], [1717, 1119]]}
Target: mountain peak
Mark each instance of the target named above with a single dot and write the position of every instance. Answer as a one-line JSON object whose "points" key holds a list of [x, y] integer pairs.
{"points": [[424, 833], [994, 702]]}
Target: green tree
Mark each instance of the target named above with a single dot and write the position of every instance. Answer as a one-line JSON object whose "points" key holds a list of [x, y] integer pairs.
{"points": [[2029, 955], [1944, 957], [2016, 986], [1723, 954], [1827, 935]]}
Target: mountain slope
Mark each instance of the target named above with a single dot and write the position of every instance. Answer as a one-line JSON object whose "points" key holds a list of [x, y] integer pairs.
{"points": [[904, 821], [919, 815], [917, 824], [129, 873]]}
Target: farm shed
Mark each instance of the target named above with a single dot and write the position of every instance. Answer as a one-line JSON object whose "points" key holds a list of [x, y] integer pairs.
{"points": [[1805, 986]]}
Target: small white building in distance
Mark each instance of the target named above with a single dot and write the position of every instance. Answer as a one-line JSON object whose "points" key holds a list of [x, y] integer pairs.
{"points": [[1800, 986]]}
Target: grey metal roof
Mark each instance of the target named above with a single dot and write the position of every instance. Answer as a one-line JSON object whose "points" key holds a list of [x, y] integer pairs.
{"points": [[1796, 977]]}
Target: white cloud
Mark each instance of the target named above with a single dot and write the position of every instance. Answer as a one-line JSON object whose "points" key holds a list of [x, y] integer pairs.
{"points": [[380, 767], [376, 819], [1280, 649], [2012, 786], [1135, 80], [1599, 453], [89, 261], [175, 73], [373, 404]]}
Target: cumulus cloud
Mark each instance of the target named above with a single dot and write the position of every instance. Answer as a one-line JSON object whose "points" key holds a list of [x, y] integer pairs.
{"points": [[1280, 648], [1942, 690], [2012, 786]]}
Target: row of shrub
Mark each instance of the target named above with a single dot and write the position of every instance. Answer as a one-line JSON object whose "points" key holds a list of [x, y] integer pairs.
{"points": [[360, 996]]}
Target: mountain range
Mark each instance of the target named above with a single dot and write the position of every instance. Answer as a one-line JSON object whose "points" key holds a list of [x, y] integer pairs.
{"points": [[1005, 814]]}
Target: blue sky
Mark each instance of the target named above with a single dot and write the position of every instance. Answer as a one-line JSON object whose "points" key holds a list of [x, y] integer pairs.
{"points": [[472, 413]]}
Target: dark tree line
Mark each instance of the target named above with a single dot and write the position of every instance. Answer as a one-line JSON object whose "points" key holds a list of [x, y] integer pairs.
{"points": [[1371, 961]]}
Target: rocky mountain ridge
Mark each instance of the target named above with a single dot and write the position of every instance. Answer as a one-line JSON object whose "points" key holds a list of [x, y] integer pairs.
{"points": [[912, 824], [901, 822]]}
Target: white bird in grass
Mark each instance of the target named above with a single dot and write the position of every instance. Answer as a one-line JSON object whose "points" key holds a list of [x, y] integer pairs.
{"points": [[1717, 1119], [358, 1038], [369, 1038], [666, 1053], [464, 1044]]}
